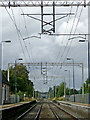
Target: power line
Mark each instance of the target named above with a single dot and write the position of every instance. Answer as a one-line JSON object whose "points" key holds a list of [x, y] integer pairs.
{"points": [[70, 33], [17, 31], [22, 38], [27, 35], [74, 33], [66, 28], [24, 41]]}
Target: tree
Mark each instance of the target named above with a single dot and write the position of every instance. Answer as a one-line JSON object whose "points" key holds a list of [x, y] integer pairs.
{"points": [[67, 91], [4, 73], [86, 86], [30, 89], [36, 94], [72, 92], [86, 89], [51, 92], [24, 85], [60, 90]]}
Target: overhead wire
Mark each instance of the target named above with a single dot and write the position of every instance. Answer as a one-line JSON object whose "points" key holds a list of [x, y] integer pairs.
{"points": [[28, 41], [70, 33], [69, 36], [25, 43], [19, 32], [74, 33], [68, 41], [21, 35], [73, 25], [64, 32], [66, 26], [16, 29], [27, 34]]}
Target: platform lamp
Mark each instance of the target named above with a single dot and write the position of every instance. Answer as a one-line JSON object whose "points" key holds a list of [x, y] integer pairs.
{"points": [[73, 79], [16, 80]]}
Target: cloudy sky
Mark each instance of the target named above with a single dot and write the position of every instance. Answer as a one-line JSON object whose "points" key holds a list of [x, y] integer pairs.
{"points": [[48, 48]]}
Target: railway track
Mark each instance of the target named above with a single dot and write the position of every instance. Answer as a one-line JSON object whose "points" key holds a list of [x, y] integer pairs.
{"points": [[47, 113], [61, 113], [46, 110], [32, 113]]}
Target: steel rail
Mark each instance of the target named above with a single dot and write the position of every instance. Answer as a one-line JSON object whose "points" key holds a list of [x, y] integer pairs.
{"points": [[20, 117], [73, 116], [38, 113], [54, 113]]}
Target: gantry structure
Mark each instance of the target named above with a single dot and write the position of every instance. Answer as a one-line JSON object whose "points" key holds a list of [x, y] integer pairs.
{"points": [[46, 3], [44, 68], [51, 29], [47, 27]]}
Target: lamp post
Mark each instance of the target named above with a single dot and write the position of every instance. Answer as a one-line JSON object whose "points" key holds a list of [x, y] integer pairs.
{"points": [[73, 78], [69, 80], [88, 62], [16, 80], [83, 39]]}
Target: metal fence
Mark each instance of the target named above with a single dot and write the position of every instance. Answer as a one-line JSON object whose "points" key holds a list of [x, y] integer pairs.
{"points": [[78, 98], [12, 99]]}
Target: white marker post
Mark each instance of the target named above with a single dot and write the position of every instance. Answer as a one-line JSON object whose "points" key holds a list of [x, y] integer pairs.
{"points": [[24, 96]]}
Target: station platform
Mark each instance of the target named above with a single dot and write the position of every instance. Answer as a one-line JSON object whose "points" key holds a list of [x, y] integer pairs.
{"points": [[75, 103], [78, 109], [12, 105]]}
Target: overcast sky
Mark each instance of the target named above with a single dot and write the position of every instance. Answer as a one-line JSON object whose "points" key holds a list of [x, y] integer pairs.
{"points": [[48, 48]]}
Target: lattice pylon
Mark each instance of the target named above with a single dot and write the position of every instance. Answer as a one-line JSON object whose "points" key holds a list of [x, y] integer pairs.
{"points": [[45, 23]]}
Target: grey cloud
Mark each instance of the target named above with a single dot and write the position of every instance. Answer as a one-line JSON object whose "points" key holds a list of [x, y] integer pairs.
{"points": [[46, 49]]}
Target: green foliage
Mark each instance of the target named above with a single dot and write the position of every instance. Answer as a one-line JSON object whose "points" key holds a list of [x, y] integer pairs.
{"points": [[72, 92], [29, 89], [81, 90], [60, 90], [4, 73], [36, 94], [51, 92], [24, 85], [67, 91], [86, 89], [20, 93]]}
